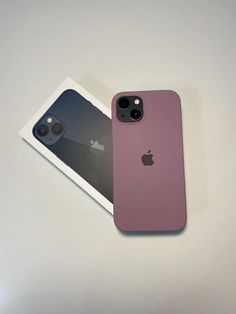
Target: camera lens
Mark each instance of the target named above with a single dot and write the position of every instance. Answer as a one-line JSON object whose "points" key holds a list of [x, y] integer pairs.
{"points": [[123, 103], [135, 114], [42, 130], [57, 128]]}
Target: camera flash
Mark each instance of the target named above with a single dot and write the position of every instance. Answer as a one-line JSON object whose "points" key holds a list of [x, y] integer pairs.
{"points": [[137, 101], [49, 120]]}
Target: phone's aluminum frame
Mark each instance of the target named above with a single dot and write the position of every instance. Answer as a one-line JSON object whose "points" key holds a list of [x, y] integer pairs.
{"points": [[27, 134]]}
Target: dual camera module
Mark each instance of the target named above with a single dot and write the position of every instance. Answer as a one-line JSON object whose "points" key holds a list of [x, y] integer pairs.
{"points": [[43, 129], [129, 109], [49, 130]]}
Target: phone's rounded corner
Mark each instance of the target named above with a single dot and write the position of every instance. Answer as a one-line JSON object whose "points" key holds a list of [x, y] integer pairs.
{"points": [[117, 95], [33, 133], [180, 228], [118, 225], [175, 95], [69, 91]]}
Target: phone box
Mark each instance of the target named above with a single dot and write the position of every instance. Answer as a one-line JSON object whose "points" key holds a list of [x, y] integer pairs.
{"points": [[27, 134]]}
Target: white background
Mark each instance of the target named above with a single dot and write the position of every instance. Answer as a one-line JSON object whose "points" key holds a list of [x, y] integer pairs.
{"points": [[59, 250]]}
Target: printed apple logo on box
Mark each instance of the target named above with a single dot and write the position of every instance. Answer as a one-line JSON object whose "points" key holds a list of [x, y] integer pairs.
{"points": [[96, 145], [147, 159]]}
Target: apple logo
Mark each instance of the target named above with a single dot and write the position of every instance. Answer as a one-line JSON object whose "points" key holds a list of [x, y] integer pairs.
{"points": [[147, 159], [96, 145]]}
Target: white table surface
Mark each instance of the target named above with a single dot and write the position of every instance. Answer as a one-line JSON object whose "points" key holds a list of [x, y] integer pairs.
{"points": [[59, 250]]}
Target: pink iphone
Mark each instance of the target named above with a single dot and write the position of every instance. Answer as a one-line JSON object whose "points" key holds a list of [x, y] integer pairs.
{"points": [[148, 163]]}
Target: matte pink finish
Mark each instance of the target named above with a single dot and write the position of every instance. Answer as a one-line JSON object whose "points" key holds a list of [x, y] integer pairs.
{"points": [[149, 198]]}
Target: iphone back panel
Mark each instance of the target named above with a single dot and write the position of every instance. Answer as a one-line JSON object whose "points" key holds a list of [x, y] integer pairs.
{"points": [[148, 163]]}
